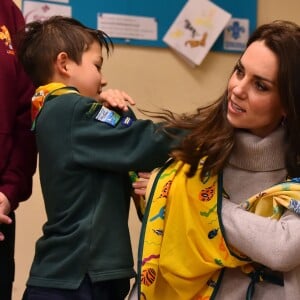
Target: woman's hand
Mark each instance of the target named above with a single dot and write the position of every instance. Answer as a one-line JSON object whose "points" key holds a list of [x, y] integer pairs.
{"points": [[113, 98]]}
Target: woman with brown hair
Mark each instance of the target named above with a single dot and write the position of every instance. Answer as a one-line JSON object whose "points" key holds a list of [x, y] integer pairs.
{"points": [[197, 240]]}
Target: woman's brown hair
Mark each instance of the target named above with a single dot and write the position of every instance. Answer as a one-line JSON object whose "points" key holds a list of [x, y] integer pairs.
{"points": [[209, 133]]}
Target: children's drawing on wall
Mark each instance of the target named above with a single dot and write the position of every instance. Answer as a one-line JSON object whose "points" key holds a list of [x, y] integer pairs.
{"points": [[194, 42], [196, 28]]}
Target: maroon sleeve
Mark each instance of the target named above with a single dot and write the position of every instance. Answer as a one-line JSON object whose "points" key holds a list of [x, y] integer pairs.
{"points": [[17, 142]]}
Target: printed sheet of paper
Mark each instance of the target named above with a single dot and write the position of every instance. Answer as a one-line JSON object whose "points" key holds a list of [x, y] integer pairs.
{"points": [[128, 27], [195, 29], [236, 34], [34, 10]]}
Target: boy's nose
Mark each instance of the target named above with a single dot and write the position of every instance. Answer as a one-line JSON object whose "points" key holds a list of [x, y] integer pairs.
{"points": [[103, 81]]}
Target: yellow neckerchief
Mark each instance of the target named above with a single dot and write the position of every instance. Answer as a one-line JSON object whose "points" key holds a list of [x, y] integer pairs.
{"points": [[272, 203], [42, 92], [183, 250]]}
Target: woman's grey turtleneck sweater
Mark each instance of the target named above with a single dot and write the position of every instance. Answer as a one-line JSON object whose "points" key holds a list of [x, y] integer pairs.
{"points": [[254, 165]]}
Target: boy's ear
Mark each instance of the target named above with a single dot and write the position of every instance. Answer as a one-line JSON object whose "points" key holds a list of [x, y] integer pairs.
{"points": [[61, 63]]}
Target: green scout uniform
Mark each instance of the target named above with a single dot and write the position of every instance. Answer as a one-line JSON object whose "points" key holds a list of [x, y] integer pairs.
{"points": [[84, 159]]}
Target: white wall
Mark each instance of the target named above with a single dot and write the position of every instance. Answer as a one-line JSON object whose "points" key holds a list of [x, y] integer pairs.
{"points": [[155, 78]]}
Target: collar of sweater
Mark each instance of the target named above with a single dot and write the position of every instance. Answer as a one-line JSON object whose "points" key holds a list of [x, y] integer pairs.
{"points": [[258, 154]]}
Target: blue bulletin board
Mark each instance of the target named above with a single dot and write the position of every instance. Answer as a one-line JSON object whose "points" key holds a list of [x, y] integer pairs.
{"points": [[163, 12]]}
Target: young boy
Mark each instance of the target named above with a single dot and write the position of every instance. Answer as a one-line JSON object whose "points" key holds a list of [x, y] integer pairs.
{"points": [[85, 154]]}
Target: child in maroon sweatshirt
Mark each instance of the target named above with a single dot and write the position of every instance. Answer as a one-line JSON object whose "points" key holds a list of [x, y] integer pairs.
{"points": [[17, 143]]}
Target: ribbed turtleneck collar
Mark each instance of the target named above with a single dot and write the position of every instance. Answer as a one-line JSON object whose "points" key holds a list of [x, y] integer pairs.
{"points": [[254, 153]]}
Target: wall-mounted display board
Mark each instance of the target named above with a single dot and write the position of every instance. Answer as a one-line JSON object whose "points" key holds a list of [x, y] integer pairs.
{"points": [[140, 23]]}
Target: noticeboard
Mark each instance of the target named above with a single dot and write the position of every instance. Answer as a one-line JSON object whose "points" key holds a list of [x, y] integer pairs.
{"points": [[161, 13]]}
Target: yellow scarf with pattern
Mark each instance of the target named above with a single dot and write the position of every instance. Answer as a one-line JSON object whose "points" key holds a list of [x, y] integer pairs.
{"points": [[183, 251], [273, 201]]}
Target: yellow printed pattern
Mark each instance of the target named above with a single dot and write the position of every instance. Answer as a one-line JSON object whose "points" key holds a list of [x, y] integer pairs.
{"points": [[184, 249]]}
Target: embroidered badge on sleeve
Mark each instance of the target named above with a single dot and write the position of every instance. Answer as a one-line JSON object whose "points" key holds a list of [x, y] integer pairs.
{"points": [[126, 121], [108, 116]]}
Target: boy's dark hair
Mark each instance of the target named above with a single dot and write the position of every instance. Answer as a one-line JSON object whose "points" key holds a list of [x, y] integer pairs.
{"points": [[39, 43]]}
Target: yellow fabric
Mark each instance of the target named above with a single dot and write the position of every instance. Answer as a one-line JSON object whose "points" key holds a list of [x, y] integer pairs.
{"points": [[272, 202], [184, 249], [41, 93]]}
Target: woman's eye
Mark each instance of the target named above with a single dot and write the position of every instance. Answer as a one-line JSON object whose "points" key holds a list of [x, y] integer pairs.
{"points": [[239, 71], [261, 86]]}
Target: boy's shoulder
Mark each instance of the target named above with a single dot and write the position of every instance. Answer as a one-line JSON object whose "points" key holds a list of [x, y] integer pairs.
{"points": [[74, 104], [92, 109]]}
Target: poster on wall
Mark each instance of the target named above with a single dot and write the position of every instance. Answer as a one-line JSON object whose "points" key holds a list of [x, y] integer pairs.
{"points": [[144, 23], [195, 29]]}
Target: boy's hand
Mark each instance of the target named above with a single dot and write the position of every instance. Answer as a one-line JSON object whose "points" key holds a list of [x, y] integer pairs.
{"points": [[4, 211], [112, 98]]}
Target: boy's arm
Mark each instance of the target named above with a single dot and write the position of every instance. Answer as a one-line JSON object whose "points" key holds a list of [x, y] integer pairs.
{"points": [[116, 143]]}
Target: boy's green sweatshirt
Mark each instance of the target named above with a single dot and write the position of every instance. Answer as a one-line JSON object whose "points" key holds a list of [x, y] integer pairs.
{"points": [[84, 162]]}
